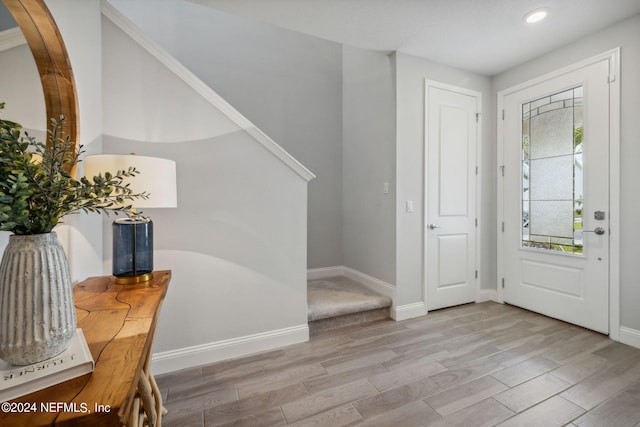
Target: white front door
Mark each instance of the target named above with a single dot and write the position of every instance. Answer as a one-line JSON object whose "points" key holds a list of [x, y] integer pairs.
{"points": [[555, 142], [451, 133]]}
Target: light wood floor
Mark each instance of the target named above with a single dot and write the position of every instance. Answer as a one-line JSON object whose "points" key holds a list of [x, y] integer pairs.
{"points": [[473, 365]]}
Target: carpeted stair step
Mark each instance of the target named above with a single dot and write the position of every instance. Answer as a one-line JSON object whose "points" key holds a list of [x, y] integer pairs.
{"points": [[339, 301]]}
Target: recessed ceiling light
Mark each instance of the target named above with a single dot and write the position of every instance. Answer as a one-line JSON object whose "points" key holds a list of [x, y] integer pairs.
{"points": [[536, 15]]}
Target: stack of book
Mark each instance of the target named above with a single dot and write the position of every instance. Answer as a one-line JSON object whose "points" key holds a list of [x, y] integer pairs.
{"points": [[76, 360]]}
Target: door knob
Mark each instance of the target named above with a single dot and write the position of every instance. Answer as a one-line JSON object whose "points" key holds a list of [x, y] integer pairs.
{"points": [[433, 226], [599, 231]]}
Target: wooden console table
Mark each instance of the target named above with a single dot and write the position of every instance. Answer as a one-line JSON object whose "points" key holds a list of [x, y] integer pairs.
{"points": [[119, 323]]}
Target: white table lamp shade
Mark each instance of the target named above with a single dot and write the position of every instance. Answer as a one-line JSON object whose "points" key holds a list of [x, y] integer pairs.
{"points": [[157, 177]]}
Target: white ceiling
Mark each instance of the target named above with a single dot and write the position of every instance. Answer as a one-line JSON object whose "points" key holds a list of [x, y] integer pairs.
{"points": [[484, 36]]}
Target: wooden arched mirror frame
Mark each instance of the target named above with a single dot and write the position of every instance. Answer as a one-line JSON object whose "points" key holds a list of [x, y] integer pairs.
{"points": [[51, 57]]}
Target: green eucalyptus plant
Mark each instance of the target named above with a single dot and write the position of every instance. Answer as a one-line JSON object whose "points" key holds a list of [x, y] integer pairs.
{"points": [[36, 186]]}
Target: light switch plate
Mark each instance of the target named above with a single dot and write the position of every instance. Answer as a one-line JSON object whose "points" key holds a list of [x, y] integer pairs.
{"points": [[410, 206]]}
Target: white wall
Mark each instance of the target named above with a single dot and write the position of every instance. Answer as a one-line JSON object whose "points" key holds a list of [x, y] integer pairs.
{"points": [[411, 73], [626, 35], [21, 90], [236, 243], [287, 83], [368, 135]]}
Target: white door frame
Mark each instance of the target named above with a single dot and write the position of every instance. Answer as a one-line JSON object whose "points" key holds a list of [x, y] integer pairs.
{"points": [[477, 189], [613, 56]]}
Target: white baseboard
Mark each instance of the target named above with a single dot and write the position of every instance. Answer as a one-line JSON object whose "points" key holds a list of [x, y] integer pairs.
{"points": [[630, 336], [376, 285], [189, 357], [325, 272], [398, 313], [485, 295], [409, 311]]}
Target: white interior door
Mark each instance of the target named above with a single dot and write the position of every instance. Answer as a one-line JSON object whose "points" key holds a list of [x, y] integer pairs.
{"points": [[556, 197], [450, 223]]}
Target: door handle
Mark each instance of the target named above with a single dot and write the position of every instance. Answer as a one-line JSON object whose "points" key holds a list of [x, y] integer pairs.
{"points": [[433, 226], [599, 231]]}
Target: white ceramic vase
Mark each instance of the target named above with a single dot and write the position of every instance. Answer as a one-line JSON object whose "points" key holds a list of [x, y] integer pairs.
{"points": [[37, 314]]}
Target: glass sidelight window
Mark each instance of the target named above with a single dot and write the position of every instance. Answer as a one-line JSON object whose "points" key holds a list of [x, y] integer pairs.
{"points": [[552, 175]]}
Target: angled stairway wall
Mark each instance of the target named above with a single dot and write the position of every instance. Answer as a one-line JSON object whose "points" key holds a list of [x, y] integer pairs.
{"points": [[237, 241], [289, 84]]}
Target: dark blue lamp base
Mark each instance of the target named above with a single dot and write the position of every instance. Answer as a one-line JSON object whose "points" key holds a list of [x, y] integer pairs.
{"points": [[132, 250]]}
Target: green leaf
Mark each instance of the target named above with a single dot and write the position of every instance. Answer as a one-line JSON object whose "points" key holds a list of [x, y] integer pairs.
{"points": [[34, 197]]}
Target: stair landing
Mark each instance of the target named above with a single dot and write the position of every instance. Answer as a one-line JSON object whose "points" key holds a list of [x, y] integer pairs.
{"points": [[339, 301]]}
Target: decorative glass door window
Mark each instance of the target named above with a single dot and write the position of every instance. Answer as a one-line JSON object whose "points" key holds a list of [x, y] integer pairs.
{"points": [[552, 175]]}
